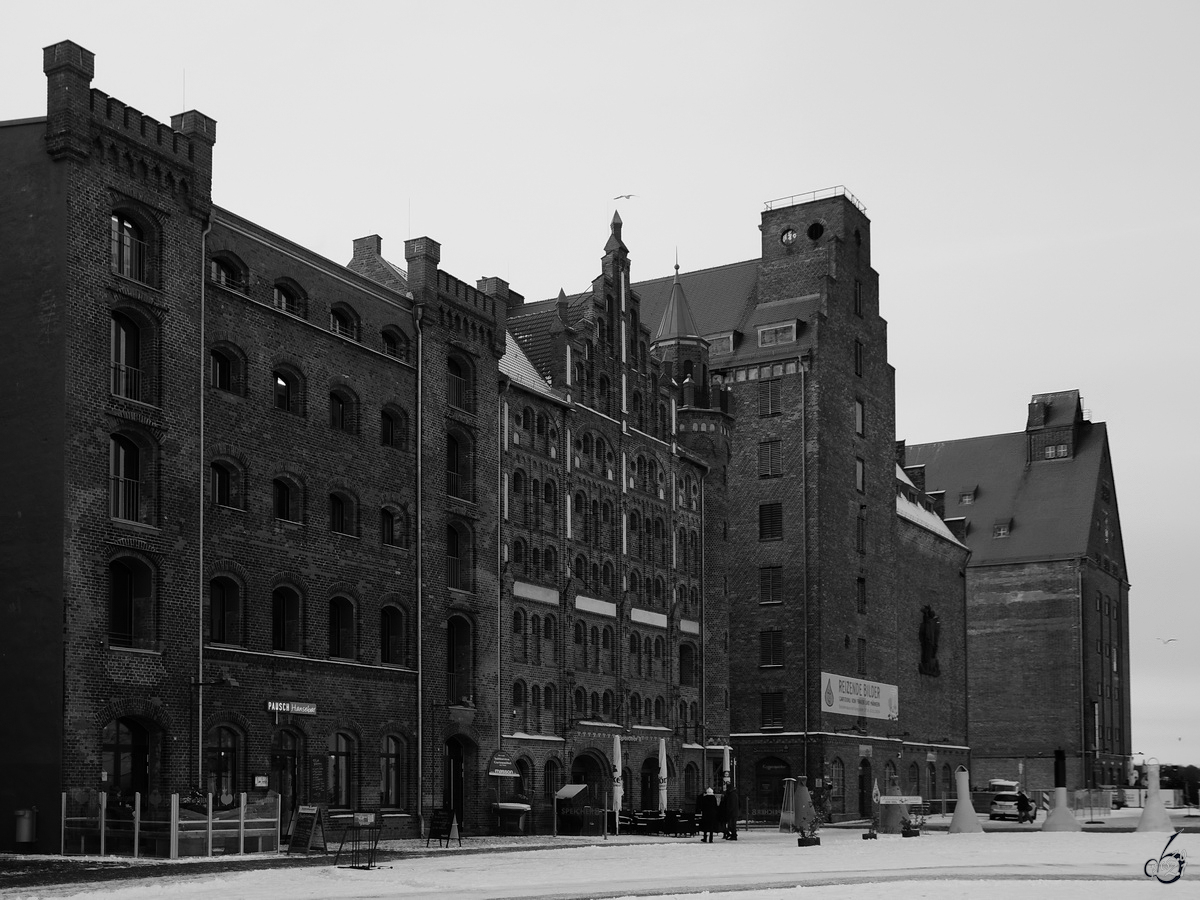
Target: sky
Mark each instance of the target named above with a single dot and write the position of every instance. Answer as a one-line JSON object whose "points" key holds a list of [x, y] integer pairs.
{"points": [[762, 865], [1029, 169]]}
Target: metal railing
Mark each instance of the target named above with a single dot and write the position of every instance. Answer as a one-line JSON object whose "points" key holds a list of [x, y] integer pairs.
{"points": [[129, 257], [460, 392], [458, 485], [125, 498], [126, 381], [820, 194]]}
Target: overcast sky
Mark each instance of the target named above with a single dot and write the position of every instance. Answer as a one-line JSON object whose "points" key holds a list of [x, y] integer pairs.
{"points": [[1030, 170]]}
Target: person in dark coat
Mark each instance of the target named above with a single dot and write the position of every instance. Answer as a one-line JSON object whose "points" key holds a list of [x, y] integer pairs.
{"points": [[710, 816], [730, 808], [1025, 810]]}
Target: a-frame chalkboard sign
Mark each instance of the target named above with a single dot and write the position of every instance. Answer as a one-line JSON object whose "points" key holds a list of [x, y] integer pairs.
{"points": [[444, 826], [306, 830]]}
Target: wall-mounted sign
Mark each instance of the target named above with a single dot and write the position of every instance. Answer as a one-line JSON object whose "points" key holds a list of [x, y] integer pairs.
{"points": [[261, 782], [295, 707], [858, 697], [501, 765]]}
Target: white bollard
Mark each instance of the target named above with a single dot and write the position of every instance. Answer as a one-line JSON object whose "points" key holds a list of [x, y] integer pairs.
{"points": [[1154, 813], [965, 820], [1061, 818]]}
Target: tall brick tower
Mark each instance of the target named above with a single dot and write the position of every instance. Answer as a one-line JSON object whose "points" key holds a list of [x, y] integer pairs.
{"points": [[802, 518]]}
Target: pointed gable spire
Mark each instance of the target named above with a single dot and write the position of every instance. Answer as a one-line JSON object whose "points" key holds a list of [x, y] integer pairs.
{"points": [[677, 321], [614, 239]]}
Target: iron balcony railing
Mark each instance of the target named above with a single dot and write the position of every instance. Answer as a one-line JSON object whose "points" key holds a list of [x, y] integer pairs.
{"points": [[125, 498], [129, 257], [126, 381], [460, 392]]}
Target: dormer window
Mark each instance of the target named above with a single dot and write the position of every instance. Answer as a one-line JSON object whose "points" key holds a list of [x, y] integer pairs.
{"points": [[721, 344], [1002, 528], [770, 335], [1056, 451], [966, 498]]}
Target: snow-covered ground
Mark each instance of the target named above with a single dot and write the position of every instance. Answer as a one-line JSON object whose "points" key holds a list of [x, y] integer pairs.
{"points": [[761, 865]]}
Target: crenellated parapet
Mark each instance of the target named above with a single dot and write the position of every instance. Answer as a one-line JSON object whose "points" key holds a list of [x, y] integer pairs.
{"points": [[86, 124]]}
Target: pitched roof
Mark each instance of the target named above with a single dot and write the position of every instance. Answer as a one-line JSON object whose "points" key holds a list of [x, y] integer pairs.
{"points": [[919, 515], [516, 365], [719, 298], [1047, 503], [532, 323]]}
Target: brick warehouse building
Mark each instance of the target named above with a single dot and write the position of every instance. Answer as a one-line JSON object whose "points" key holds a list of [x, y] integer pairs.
{"points": [[367, 534], [1047, 584], [835, 570], [228, 560]]}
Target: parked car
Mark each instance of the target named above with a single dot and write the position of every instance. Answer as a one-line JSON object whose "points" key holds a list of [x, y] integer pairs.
{"points": [[1004, 806]]}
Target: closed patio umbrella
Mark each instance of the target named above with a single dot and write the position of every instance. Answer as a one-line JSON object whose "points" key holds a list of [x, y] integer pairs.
{"points": [[618, 789], [662, 773], [726, 772]]}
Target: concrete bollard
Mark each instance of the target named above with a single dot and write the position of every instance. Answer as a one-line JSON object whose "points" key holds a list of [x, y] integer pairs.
{"points": [[964, 820], [1061, 818], [1154, 812]]}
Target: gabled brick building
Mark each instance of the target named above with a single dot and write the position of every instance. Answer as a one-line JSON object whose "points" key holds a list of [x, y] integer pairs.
{"points": [[1047, 594]]}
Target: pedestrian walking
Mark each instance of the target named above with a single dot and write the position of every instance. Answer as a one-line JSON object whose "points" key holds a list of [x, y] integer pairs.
{"points": [[730, 809], [710, 815]]}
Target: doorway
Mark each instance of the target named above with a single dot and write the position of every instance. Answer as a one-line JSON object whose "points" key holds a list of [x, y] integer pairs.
{"points": [[285, 775], [865, 789]]}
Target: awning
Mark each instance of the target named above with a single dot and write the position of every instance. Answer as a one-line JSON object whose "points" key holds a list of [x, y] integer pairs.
{"points": [[567, 791]]}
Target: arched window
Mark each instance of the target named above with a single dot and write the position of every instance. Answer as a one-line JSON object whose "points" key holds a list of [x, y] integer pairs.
{"points": [[227, 368], [393, 428], [285, 620], [580, 701], [127, 760], [131, 604], [226, 272], [288, 299], [344, 321], [458, 557], [635, 706], [606, 704], [635, 584], [341, 628], [287, 391], [341, 771], [550, 557], [395, 343], [393, 636], [224, 611], [130, 252], [393, 528], [460, 663], [343, 518], [393, 772], [126, 344], [687, 665], [658, 709], [343, 410], [221, 752], [459, 387], [126, 499], [285, 499], [458, 467]]}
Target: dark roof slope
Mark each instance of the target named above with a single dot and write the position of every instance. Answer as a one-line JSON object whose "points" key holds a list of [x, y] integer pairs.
{"points": [[719, 298], [1048, 502]]}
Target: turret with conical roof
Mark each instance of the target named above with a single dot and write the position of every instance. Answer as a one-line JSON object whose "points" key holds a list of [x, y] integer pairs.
{"points": [[683, 352]]}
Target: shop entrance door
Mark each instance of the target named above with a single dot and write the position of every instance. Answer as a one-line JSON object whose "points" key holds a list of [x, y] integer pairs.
{"points": [[285, 775]]}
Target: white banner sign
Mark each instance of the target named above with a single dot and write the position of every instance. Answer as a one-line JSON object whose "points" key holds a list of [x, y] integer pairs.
{"points": [[856, 697]]}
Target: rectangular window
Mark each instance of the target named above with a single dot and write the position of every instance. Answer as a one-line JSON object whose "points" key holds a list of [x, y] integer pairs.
{"points": [[769, 398], [860, 534], [770, 459], [966, 498], [776, 334], [858, 358], [862, 656], [772, 709], [1000, 530], [770, 647], [720, 345], [861, 594], [860, 478], [858, 301], [860, 417], [770, 522], [770, 584]]}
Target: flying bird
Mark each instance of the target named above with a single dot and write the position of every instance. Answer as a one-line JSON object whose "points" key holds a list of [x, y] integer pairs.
{"points": [[624, 196]]}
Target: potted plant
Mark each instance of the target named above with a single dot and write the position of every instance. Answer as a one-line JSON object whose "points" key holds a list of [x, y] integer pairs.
{"points": [[872, 832], [808, 830], [910, 826]]}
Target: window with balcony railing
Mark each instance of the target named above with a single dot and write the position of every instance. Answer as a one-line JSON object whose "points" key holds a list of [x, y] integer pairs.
{"points": [[458, 558], [129, 250], [458, 468], [341, 322], [224, 273], [126, 346], [131, 604], [459, 387], [125, 480]]}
